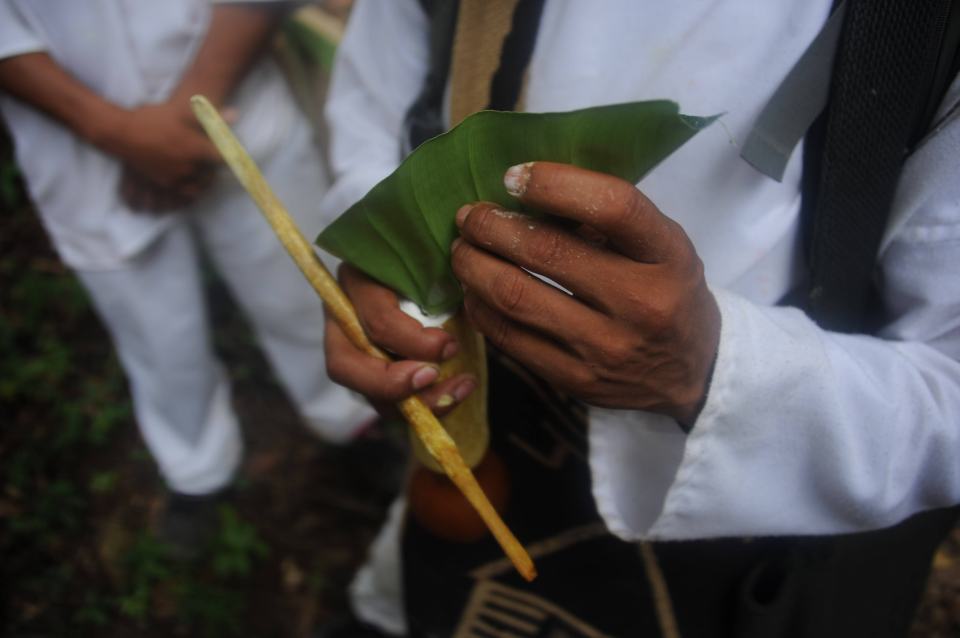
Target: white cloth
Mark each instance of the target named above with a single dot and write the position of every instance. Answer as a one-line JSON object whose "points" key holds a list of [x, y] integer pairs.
{"points": [[131, 53], [376, 593], [142, 270], [804, 431]]}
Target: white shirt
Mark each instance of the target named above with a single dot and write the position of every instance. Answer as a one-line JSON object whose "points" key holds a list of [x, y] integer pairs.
{"points": [[804, 431], [131, 53]]}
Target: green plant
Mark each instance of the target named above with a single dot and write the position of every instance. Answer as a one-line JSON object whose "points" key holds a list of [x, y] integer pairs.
{"points": [[103, 482], [57, 509], [11, 195], [236, 546], [215, 610], [95, 610], [146, 563]]}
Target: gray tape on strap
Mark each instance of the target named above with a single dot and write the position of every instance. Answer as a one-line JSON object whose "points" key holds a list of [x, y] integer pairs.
{"points": [[795, 104]]}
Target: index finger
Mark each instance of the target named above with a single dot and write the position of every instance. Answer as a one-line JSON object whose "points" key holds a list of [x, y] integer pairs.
{"points": [[388, 326], [608, 204]]}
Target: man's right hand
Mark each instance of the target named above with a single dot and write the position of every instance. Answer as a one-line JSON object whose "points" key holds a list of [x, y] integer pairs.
{"points": [[163, 145], [141, 194], [419, 349]]}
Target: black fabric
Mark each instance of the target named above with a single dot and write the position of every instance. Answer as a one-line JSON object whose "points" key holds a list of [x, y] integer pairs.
{"points": [[597, 581], [864, 584], [884, 79], [518, 46], [424, 118], [947, 67]]}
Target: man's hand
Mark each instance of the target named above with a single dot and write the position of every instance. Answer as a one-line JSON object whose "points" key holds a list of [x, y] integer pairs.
{"points": [[169, 160], [141, 194], [393, 330], [640, 328], [163, 145]]}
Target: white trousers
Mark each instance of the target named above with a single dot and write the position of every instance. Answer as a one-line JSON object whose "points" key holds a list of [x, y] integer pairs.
{"points": [[376, 593], [155, 311]]}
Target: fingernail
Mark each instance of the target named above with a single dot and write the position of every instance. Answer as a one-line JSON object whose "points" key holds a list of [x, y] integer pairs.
{"points": [[456, 242], [445, 401], [449, 351], [516, 178], [464, 389], [424, 377], [462, 214]]}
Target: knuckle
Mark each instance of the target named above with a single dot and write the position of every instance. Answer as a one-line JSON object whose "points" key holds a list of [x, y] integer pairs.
{"points": [[655, 305], [546, 248], [620, 355], [633, 209], [394, 386], [378, 328], [501, 334], [582, 378], [694, 270], [613, 353], [681, 248], [479, 220], [660, 313], [492, 324], [336, 370], [458, 258], [511, 288]]}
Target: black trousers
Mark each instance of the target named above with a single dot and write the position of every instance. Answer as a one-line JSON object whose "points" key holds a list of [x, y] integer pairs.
{"points": [[593, 584]]}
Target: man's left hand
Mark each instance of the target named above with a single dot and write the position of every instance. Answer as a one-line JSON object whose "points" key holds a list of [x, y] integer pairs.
{"points": [[639, 329]]}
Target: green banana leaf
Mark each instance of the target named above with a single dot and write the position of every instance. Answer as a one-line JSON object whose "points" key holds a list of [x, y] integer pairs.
{"points": [[400, 232]]}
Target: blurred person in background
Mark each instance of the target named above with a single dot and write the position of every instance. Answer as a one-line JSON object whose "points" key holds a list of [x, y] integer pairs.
{"points": [[790, 469], [96, 96]]}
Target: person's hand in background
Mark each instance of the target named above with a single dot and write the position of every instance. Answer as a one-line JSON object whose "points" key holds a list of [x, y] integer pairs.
{"points": [[168, 160]]}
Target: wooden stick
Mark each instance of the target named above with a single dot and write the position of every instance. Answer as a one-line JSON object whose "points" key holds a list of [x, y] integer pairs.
{"points": [[661, 595], [435, 439]]}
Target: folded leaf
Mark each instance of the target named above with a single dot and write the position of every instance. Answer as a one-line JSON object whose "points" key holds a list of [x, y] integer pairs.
{"points": [[400, 232]]}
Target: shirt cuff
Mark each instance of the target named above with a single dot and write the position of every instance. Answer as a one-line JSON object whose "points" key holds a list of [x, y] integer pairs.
{"points": [[652, 481]]}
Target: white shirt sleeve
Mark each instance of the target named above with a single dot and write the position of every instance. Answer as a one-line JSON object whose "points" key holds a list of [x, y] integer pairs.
{"points": [[806, 431], [370, 93], [16, 35]]}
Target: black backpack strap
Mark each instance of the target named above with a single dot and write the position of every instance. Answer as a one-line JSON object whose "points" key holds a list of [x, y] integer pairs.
{"points": [[507, 82], [947, 67], [892, 67], [424, 118]]}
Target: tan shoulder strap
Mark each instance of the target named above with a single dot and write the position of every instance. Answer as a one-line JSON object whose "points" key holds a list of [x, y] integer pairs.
{"points": [[482, 27]]}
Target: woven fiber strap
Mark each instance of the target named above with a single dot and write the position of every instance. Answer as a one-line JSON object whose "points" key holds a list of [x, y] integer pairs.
{"points": [[482, 27]]}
